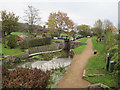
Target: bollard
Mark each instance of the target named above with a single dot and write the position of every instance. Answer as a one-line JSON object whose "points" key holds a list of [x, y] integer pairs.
{"points": [[112, 63], [96, 41], [107, 63], [95, 51]]}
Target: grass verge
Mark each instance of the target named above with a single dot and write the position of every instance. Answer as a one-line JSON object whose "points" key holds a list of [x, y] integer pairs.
{"points": [[11, 52], [80, 49], [17, 33], [83, 40], [97, 65], [17, 50]]}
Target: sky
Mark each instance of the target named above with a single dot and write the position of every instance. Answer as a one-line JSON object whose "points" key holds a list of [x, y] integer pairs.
{"points": [[80, 11]]}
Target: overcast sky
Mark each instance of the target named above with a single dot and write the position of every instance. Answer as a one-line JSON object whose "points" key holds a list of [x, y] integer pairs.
{"points": [[80, 11]]}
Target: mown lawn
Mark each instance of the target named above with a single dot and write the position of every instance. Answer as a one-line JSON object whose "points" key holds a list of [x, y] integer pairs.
{"points": [[17, 33], [64, 35], [21, 33], [80, 49], [97, 65], [11, 52]]}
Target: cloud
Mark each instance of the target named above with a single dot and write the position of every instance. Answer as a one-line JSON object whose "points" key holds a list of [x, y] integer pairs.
{"points": [[79, 12], [59, 0]]}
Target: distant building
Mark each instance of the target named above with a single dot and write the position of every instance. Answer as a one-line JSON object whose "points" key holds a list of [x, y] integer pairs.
{"points": [[38, 36], [39, 31], [21, 37]]}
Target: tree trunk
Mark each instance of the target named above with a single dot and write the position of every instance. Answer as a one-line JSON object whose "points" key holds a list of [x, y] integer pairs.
{"points": [[8, 33], [3, 33]]}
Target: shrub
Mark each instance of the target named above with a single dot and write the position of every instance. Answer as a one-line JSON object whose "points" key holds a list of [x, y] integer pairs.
{"points": [[117, 73], [55, 35], [64, 54], [109, 40], [48, 56], [12, 41], [114, 56], [113, 51], [24, 78], [17, 60], [8, 64], [43, 34]]}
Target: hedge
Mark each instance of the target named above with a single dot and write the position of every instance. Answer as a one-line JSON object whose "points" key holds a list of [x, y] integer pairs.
{"points": [[24, 78], [35, 42]]}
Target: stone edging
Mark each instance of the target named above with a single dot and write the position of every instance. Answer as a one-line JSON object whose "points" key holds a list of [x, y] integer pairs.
{"points": [[26, 53]]}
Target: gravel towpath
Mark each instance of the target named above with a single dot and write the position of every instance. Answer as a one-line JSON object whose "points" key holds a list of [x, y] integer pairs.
{"points": [[73, 76]]}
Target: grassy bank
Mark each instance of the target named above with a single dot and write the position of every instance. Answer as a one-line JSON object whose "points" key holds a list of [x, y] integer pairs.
{"points": [[80, 49], [83, 40], [11, 52], [17, 50], [17, 33], [97, 65], [56, 76], [49, 56]]}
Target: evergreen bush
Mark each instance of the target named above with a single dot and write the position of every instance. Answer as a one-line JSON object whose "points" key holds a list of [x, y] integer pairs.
{"points": [[12, 41]]}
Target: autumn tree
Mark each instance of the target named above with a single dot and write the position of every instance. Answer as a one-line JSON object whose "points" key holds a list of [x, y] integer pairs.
{"points": [[72, 33], [24, 27], [32, 17], [59, 21], [52, 23], [108, 26], [84, 30], [64, 22], [9, 22], [94, 30], [99, 27]]}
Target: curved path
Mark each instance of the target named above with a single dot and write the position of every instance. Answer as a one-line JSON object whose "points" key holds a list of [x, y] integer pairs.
{"points": [[73, 76]]}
